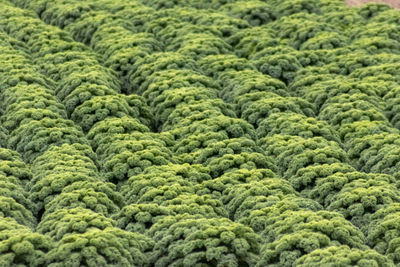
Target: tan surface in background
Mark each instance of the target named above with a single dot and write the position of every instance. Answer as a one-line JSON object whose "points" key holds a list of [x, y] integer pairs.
{"points": [[392, 3]]}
